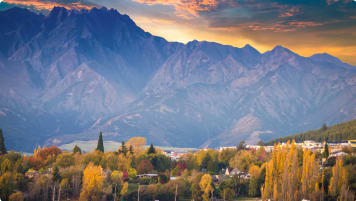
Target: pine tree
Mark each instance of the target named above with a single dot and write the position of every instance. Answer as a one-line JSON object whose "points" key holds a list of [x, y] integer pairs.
{"points": [[2, 143], [326, 150], [131, 150], [100, 146], [56, 175], [77, 149], [123, 148], [151, 150]]}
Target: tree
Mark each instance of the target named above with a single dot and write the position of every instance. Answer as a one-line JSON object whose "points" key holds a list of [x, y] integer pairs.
{"points": [[137, 143], [124, 189], [151, 150], [324, 127], [227, 194], [123, 148], [100, 146], [77, 149], [56, 177], [144, 166], [205, 161], [338, 179], [7, 185], [131, 150], [205, 186], [2, 144], [326, 150], [18, 196], [93, 182], [116, 180], [241, 146]]}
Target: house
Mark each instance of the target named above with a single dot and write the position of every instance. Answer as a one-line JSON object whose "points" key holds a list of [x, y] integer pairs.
{"points": [[230, 172], [147, 176], [352, 143]]}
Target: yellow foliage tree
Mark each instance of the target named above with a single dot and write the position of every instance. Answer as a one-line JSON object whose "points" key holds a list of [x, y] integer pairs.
{"points": [[338, 179], [93, 181], [205, 186], [124, 189], [137, 143]]}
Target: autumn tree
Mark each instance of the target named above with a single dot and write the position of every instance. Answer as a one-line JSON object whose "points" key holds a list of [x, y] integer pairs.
{"points": [[144, 166], [124, 190], [100, 146], [116, 180], [205, 186], [137, 143], [93, 182], [18, 196], [338, 186]]}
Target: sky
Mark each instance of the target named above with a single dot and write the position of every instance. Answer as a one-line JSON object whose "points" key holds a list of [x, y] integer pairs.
{"points": [[304, 26]]}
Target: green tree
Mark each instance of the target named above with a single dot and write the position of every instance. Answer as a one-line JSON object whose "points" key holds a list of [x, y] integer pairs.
{"points": [[324, 127], [56, 175], [77, 149], [123, 148], [2, 143], [205, 162], [151, 150], [100, 146], [326, 150], [131, 149]]}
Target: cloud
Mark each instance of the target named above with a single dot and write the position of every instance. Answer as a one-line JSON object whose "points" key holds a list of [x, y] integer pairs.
{"points": [[48, 5], [185, 8]]}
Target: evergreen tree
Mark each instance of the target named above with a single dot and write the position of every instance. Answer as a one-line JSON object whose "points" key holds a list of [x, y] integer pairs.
{"points": [[205, 162], [131, 149], [77, 149], [2, 144], [100, 146], [324, 127], [151, 150], [123, 148], [56, 175], [326, 151]]}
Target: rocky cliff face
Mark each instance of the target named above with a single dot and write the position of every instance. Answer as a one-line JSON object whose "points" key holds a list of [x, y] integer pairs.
{"points": [[69, 74]]}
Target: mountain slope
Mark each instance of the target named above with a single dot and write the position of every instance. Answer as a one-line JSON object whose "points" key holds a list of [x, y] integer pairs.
{"points": [[336, 133], [75, 73]]}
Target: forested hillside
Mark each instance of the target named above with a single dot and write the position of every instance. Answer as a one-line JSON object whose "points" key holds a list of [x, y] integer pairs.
{"points": [[337, 133]]}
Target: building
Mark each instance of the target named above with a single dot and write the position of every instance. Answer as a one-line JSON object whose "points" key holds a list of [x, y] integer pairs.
{"points": [[352, 143]]}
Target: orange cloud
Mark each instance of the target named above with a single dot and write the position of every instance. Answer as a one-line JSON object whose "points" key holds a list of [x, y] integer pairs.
{"points": [[283, 26], [47, 5], [185, 8]]}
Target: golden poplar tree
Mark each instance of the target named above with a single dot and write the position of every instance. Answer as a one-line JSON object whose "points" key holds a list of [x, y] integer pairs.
{"points": [[93, 181], [205, 186]]}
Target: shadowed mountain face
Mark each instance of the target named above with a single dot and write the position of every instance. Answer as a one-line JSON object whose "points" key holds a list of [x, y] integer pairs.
{"points": [[70, 74]]}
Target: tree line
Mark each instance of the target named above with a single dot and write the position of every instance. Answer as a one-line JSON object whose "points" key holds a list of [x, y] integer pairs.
{"points": [[337, 133], [288, 173]]}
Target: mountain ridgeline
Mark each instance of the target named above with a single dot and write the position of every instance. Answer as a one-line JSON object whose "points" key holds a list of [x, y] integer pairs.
{"points": [[67, 75], [338, 133]]}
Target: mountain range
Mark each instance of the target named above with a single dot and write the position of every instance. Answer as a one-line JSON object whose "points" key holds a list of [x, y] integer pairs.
{"points": [[69, 74]]}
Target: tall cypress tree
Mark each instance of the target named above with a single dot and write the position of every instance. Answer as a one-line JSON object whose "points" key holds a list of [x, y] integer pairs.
{"points": [[100, 146], [326, 150], [2, 144]]}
